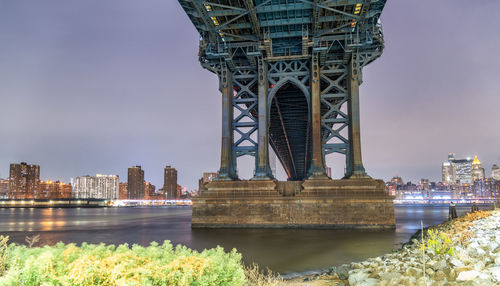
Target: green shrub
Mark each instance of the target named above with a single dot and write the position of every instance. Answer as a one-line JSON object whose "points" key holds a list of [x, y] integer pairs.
{"points": [[3, 253], [439, 243], [100, 264]]}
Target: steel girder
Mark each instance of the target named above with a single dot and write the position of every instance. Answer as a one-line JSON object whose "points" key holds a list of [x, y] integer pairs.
{"points": [[286, 35], [271, 28], [245, 102]]}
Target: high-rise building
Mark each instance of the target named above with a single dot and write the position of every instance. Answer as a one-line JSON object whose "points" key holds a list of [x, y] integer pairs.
{"points": [[461, 167], [495, 173], [4, 189], [53, 190], [477, 171], [24, 180], [495, 188], [398, 181], [150, 191], [481, 189], [122, 193], [179, 191], [449, 173], [424, 184], [135, 183], [207, 177], [170, 183], [97, 187], [451, 157]]}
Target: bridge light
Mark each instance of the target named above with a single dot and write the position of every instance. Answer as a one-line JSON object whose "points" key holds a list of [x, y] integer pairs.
{"points": [[357, 10]]}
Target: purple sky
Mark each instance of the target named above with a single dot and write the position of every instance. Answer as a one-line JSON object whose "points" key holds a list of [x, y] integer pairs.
{"points": [[97, 86]]}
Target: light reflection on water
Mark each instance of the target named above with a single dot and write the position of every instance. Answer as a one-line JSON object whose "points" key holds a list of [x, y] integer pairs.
{"points": [[282, 250]]}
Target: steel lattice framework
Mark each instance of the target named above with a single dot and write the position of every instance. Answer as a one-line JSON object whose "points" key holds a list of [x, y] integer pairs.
{"points": [[289, 74]]}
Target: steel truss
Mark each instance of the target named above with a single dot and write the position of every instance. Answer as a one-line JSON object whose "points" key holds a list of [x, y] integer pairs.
{"points": [[258, 47], [245, 123]]}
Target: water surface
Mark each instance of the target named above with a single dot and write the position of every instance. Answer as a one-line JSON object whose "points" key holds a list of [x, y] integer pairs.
{"points": [[282, 250]]}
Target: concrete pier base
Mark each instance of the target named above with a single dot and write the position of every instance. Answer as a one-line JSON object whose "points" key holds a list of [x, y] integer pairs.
{"points": [[328, 204]]}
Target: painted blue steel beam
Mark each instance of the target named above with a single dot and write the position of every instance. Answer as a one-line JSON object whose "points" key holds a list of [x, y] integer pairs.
{"points": [[239, 33]]}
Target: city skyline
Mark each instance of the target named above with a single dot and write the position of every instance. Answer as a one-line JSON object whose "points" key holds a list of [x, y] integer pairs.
{"points": [[492, 172], [88, 97]]}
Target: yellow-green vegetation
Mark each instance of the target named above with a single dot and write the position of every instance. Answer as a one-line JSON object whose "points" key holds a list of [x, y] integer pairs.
{"points": [[455, 231], [256, 277], [458, 229], [100, 264], [439, 243], [3, 253]]}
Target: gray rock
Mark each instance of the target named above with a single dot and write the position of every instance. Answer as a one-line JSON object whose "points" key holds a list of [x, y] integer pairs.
{"points": [[430, 272], [493, 246], [452, 275], [368, 282], [357, 277], [479, 266], [343, 272], [405, 281], [332, 270], [441, 264], [357, 265], [415, 272], [482, 282], [495, 273], [468, 275], [389, 276], [431, 264], [456, 262], [439, 275], [476, 251]]}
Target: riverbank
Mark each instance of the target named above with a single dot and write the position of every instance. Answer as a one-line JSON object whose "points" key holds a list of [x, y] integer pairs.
{"points": [[465, 251]]}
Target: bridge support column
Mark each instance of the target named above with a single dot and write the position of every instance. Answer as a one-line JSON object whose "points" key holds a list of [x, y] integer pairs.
{"points": [[263, 170], [318, 159], [356, 169], [227, 171]]}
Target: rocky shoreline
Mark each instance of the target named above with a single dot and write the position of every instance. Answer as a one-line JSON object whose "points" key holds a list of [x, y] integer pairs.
{"points": [[464, 251]]}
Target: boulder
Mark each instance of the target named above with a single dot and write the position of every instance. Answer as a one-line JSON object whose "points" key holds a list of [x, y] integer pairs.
{"points": [[468, 275], [439, 275], [357, 277], [368, 282], [430, 272], [343, 272], [456, 262], [495, 273], [479, 266], [414, 272]]}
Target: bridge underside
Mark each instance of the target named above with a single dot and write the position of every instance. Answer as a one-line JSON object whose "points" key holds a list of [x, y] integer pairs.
{"points": [[289, 74], [289, 131]]}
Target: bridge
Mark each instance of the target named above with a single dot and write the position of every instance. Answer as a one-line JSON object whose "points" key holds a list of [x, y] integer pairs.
{"points": [[289, 74]]}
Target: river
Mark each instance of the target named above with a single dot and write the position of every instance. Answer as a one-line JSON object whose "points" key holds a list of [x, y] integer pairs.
{"points": [[283, 250]]}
